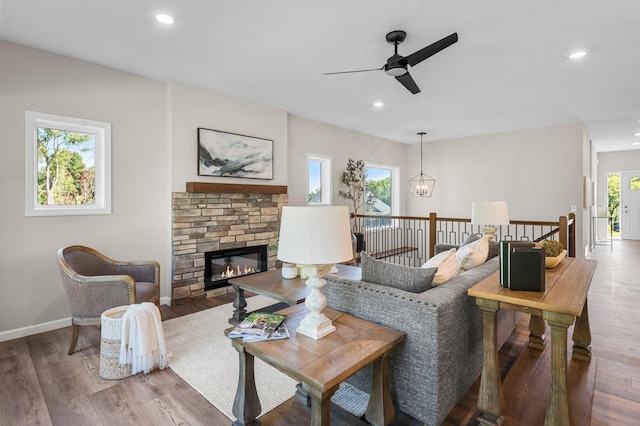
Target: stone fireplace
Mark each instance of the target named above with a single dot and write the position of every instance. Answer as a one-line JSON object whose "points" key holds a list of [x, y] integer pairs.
{"points": [[211, 217]]}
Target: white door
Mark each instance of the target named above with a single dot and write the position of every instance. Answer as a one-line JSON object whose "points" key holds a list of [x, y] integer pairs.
{"points": [[630, 205]]}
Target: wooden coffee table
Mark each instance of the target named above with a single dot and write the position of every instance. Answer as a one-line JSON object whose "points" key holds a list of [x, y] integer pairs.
{"points": [[563, 301], [270, 284], [320, 365]]}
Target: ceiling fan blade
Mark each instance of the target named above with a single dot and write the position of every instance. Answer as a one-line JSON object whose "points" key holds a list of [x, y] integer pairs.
{"points": [[407, 81], [422, 54], [349, 72]]}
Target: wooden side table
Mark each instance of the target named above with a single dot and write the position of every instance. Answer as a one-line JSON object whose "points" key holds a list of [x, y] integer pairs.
{"points": [[564, 300], [271, 284], [320, 365]]}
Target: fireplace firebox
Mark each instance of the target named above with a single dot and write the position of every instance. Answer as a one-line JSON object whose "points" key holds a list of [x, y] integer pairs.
{"points": [[221, 265]]}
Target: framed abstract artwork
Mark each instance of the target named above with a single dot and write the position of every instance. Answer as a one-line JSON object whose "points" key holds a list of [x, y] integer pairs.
{"points": [[231, 155]]}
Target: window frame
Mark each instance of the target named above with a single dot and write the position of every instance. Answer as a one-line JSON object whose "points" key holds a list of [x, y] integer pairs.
{"points": [[395, 190], [102, 164], [325, 179]]}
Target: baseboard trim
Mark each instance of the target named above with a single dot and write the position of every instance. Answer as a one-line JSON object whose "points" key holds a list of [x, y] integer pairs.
{"points": [[49, 326], [34, 329]]}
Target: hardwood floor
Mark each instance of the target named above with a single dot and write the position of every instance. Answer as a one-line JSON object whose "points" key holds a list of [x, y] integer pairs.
{"points": [[41, 385]]}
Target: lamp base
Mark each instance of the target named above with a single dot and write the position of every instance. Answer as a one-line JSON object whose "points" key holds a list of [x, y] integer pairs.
{"points": [[315, 328], [315, 325], [490, 230]]}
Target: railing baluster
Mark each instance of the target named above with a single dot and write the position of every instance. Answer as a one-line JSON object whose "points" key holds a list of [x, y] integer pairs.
{"points": [[405, 239]]}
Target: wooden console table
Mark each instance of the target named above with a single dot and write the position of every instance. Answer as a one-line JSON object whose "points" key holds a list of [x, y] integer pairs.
{"points": [[564, 300], [320, 365]]}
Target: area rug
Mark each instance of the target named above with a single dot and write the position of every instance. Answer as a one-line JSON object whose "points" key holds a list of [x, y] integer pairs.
{"points": [[203, 357]]}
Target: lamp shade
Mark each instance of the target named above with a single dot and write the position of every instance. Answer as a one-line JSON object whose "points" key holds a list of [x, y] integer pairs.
{"points": [[318, 235], [489, 213]]}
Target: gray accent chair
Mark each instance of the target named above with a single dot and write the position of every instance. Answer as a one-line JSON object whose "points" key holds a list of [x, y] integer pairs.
{"points": [[94, 283]]}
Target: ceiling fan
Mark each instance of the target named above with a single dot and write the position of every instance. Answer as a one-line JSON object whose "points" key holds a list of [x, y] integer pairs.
{"points": [[398, 65]]}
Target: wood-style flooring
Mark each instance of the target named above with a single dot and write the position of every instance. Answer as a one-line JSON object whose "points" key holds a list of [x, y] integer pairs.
{"points": [[41, 385]]}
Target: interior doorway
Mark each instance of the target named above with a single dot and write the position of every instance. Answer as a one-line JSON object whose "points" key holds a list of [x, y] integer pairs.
{"points": [[613, 205]]}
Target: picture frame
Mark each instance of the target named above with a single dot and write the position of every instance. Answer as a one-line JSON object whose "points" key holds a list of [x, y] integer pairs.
{"points": [[224, 154]]}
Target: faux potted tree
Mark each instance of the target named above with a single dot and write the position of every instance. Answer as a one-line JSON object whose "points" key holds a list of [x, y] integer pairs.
{"points": [[354, 178]]}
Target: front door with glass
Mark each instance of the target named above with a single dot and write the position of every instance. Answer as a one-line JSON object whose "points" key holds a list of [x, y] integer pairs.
{"points": [[630, 205]]}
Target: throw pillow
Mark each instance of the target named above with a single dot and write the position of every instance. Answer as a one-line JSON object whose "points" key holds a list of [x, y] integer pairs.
{"points": [[473, 254], [494, 249], [415, 280], [447, 266], [471, 238]]}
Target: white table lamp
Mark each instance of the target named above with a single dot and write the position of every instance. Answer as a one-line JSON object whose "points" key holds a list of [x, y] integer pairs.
{"points": [[315, 238], [489, 215]]}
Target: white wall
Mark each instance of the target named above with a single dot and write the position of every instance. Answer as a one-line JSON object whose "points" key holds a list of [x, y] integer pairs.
{"points": [[308, 136], [537, 171], [31, 291], [192, 107]]}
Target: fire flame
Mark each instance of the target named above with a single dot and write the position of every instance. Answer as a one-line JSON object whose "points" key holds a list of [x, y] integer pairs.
{"points": [[230, 272]]}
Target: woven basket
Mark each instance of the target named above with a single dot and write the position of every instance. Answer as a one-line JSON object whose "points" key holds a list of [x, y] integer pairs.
{"points": [[110, 367]]}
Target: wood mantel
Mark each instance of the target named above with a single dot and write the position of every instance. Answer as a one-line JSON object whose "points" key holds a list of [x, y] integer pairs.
{"points": [[228, 188]]}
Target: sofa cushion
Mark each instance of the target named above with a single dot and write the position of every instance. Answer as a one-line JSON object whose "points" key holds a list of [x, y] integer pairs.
{"points": [[415, 280], [447, 266], [473, 254]]}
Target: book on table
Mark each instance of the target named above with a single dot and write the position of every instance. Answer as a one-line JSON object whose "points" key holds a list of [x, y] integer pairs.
{"points": [[261, 326], [522, 266]]}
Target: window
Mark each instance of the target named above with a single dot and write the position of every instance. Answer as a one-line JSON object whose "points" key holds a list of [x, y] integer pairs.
{"points": [[382, 193], [319, 180], [634, 184], [68, 163]]}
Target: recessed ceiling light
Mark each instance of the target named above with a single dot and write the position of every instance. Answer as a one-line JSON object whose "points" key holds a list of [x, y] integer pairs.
{"points": [[164, 18], [636, 143], [578, 54], [636, 134], [378, 104]]}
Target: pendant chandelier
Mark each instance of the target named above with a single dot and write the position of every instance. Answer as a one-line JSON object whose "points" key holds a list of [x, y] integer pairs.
{"points": [[421, 185]]}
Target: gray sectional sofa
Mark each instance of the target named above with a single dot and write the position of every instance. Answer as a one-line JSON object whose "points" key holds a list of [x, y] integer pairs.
{"points": [[441, 355]]}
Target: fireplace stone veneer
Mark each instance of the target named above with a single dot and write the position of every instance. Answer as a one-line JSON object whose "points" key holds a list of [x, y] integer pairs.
{"points": [[204, 222]]}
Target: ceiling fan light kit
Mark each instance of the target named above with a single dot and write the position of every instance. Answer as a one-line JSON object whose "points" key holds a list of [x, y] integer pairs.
{"points": [[398, 66]]}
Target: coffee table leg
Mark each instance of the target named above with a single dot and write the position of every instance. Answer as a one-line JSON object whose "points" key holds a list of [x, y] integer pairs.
{"points": [[558, 410], [320, 404], [582, 336], [239, 305], [491, 396], [380, 410], [246, 405], [536, 332]]}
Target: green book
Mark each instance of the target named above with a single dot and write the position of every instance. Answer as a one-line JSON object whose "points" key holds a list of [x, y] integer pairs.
{"points": [[506, 248]]}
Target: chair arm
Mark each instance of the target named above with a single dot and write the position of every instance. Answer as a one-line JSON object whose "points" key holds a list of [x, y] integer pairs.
{"points": [[89, 296]]}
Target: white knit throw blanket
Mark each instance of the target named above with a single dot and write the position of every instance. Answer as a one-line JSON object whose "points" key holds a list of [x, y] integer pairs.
{"points": [[142, 342]]}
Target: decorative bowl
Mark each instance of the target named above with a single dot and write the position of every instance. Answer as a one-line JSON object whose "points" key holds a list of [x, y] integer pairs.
{"points": [[552, 262]]}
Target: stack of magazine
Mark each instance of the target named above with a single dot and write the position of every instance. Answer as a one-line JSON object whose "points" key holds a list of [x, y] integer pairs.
{"points": [[260, 326]]}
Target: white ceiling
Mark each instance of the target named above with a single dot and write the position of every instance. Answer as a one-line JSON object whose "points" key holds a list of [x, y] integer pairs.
{"points": [[507, 72]]}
